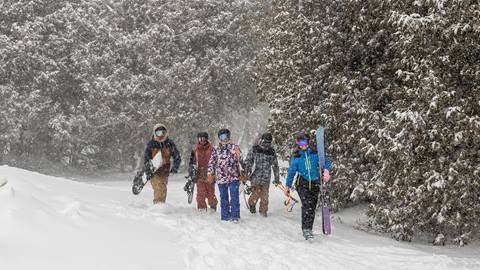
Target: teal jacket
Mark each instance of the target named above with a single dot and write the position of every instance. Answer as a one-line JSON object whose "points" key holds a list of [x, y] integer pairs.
{"points": [[306, 165]]}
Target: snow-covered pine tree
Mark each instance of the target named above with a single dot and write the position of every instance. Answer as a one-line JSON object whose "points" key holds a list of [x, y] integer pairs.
{"points": [[429, 181], [396, 84], [315, 71], [96, 75]]}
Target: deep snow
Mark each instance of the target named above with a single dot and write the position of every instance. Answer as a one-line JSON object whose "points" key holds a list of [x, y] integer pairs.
{"points": [[54, 223]]}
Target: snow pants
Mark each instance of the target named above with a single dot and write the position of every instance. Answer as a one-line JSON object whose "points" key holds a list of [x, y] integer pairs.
{"points": [[229, 200], [309, 197], [159, 185], [260, 192], [206, 191]]}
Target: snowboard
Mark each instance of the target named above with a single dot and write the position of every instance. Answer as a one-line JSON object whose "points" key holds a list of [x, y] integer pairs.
{"points": [[189, 188], [247, 190], [324, 192], [146, 173]]}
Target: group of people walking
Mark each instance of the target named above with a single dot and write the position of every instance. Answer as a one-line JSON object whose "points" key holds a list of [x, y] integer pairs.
{"points": [[224, 166]]}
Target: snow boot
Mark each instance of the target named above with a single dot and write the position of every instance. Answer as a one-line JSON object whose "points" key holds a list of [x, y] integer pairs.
{"points": [[253, 210], [307, 234]]}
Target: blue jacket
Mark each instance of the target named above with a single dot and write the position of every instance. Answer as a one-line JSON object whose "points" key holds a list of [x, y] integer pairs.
{"points": [[306, 165]]}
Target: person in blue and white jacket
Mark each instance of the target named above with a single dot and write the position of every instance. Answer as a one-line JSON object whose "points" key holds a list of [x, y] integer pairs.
{"points": [[304, 161]]}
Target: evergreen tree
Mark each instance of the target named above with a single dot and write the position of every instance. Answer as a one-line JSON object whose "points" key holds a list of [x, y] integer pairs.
{"points": [[396, 85], [86, 80]]}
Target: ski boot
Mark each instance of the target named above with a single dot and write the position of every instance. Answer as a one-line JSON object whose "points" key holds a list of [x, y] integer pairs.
{"points": [[307, 234]]}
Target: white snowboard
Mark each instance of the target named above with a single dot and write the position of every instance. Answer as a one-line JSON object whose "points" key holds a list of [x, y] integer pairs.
{"points": [[157, 162]]}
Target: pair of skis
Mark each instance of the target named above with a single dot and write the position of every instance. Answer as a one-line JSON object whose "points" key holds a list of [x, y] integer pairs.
{"points": [[324, 191]]}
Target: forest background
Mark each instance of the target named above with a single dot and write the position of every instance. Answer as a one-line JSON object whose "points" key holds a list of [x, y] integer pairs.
{"points": [[396, 83]]}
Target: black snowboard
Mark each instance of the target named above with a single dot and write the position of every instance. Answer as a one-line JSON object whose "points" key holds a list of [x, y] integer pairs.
{"points": [[189, 188], [141, 178]]}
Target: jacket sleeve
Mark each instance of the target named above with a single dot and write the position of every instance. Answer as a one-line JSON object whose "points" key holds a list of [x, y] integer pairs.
{"points": [[212, 162], [248, 162], [176, 156], [328, 165], [291, 172], [276, 171], [147, 156]]}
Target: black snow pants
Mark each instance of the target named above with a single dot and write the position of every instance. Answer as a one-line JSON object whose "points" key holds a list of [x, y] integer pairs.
{"points": [[309, 197]]}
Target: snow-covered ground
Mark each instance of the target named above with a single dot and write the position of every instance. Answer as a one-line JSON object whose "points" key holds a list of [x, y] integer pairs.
{"points": [[53, 223]]}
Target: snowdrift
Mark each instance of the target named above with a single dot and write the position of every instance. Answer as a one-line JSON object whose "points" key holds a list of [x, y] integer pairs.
{"points": [[54, 223]]}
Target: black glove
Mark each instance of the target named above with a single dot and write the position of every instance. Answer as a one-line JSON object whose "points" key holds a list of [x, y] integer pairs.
{"points": [[276, 182], [148, 170], [173, 170]]}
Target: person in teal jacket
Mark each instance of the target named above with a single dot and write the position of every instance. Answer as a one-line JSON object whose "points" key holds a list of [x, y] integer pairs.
{"points": [[304, 161]]}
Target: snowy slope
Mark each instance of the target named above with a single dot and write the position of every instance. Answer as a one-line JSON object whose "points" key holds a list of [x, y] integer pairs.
{"points": [[53, 223]]}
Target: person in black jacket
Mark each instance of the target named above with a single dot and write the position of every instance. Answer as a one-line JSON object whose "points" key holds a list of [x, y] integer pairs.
{"points": [[160, 144]]}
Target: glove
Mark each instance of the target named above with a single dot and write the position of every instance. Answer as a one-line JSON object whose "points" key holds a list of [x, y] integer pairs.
{"points": [[173, 170], [276, 182], [326, 176], [148, 170], [287, 191], [211, 178], [243, 178]]}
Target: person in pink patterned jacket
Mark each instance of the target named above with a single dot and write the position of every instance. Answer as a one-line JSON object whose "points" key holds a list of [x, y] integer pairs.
{"points": [[224, 168]]}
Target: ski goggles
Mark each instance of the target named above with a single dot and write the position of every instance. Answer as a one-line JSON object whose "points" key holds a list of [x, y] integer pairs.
{"points": [[160, 132], [262, 142], [301, 143], [265, 142], [202, 139], [223, 137]]}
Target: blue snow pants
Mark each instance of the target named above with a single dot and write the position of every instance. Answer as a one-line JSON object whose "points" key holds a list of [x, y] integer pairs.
{"points": [[229, 203]]}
